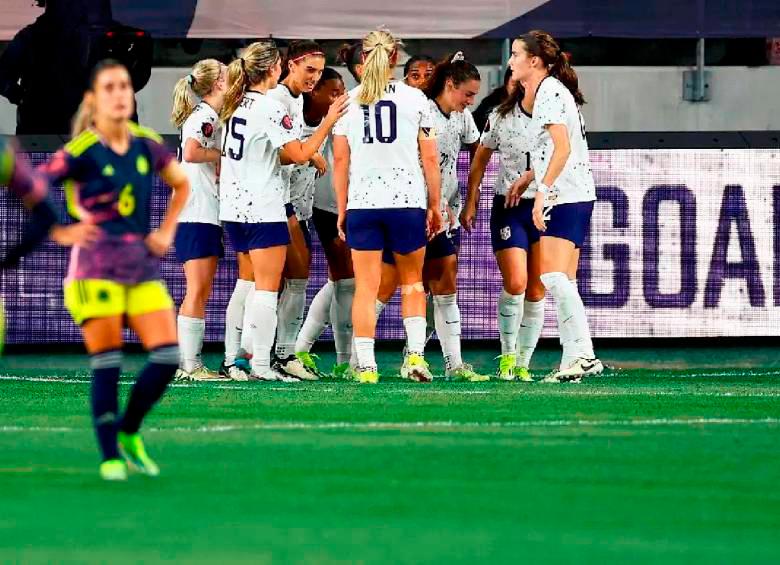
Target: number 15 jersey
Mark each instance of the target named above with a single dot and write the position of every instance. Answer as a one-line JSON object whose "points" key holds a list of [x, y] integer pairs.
{"points": [[384, 165]]}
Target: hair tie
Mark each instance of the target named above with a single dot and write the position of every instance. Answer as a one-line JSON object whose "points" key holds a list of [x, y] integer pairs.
{"points": [[243, 64], [458, 57], [191, 79]]}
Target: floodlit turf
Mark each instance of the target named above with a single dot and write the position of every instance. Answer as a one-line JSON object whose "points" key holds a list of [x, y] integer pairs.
{"points": [[641, 465]]}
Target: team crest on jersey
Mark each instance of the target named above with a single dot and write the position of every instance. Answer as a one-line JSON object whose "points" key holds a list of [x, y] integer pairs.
{"points": [[108, 171], [287, 122], [505, 233], [142, 165], [207, 129]]}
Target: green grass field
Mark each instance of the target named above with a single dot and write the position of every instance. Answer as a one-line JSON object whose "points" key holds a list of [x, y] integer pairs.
{"points": [[678, 463]]}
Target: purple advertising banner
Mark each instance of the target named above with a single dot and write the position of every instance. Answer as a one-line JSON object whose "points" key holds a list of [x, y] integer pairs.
{"points": [[683, 243]]}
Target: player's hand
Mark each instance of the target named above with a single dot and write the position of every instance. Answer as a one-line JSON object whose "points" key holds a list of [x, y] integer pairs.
{"points": [[337, 109], [539, 215], [450, 219], [515, 192], [81, 234], [159, 242], [468, 216], [341, 224], [319, 163], [433, 222]]}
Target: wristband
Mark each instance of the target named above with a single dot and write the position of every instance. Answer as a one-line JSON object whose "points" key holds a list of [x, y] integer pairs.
{"points": [[542, 188]]}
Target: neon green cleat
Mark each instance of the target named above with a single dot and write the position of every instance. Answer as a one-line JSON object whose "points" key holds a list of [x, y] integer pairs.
{"points": [[308, 360], [415, 368], [113, 470], [522, 374], [506, 366], [344, 371], [367, 376], [466, 373], [132, 448]]}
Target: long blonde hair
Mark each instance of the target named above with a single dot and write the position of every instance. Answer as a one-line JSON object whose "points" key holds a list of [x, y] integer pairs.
{"points": [[201, 80], [253, 65], [379, 46], [85, 115]]}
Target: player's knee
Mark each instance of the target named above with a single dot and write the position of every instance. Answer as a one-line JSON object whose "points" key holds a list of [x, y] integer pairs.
{"points": [[516, 283]]}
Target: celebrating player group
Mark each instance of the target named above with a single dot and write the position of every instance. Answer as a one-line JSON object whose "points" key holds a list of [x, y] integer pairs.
{"points": [[271, 144]]}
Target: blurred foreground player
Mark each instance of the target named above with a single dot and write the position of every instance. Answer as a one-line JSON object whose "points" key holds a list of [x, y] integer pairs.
{"points": [[108, 171]]}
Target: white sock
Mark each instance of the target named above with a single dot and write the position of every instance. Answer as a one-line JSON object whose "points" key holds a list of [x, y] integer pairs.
{"points": [[341, 319], [292, 304], [529, 331], [447, 318], [263, 329], [430, 318], [415, 334], [364, 351], [378, 307], [317, 318], [572, 321], [248, 335], [510, 312], [191, 332], [353, 360], [234, 319]]}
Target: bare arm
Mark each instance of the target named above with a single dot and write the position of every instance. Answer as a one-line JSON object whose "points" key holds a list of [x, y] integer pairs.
{"points": [[298, 153], [561, 151], [341, 156], [477, 171], [194, 152], [429, 155], [160, 240]]}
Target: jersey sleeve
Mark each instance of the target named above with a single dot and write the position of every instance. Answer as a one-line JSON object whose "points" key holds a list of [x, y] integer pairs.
{"points": [[200, 128], [279, 127], [28, 185], [490, 137], [160, 154], [470, 132], [427, 119], [549, 107]]}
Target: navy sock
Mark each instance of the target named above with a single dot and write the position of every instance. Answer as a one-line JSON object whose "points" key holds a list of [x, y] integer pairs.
{"points": [[150, 386], [105, 402]]}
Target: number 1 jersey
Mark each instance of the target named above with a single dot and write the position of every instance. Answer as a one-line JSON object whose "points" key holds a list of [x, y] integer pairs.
{"points": [[384, 165]]}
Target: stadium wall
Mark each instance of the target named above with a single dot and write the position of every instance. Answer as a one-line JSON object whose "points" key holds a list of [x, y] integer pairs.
{"points": [[624, 99]]}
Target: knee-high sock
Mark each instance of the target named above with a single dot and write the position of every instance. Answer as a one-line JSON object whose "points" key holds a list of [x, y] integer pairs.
{"points": [[234, 319], [510, 312], [415, 334], [447, 319], [105, 400], [364, 351], [292, 305], [317, 318], [247, 336], [529, 332], [378, 307], [430, 317], [191, 331], [150, 386], [341, 319], [264, 320], [572, 321]]}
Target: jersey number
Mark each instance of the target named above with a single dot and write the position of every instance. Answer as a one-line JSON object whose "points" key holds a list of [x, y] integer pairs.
{"points": [[386, 122], [126, 204], [232, 132]]}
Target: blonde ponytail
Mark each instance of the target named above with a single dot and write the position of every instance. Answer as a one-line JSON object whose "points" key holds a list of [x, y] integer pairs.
{"points": [[378, 49], [254, 65], [83, 118], [200, 82]]}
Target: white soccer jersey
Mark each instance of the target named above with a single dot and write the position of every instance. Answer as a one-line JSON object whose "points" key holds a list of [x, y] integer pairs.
{"points": [[324, 194], [251, 185], [294, 107], [509, 136], [203, 202], [452, 132], [555, 105], [384, 169], [302, 181]]}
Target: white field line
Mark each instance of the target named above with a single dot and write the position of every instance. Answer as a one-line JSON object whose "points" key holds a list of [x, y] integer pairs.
{"points": [[439, 425]]}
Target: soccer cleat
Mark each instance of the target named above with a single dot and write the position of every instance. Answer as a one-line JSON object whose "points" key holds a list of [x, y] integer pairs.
{"points": [[506, 366], [465, 373], [309, 362], [578, 369], [200, 374], [233, 372], [244, 364], [344, 371], [131, 446], [293, 367], [415, 368], [523, 375], [113, 470], [270, 375], [367, 376]]}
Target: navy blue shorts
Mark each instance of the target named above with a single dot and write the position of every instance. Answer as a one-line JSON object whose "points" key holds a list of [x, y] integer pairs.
{"points": [[570, 222], [325, 224], [512, 227], [198, 240], [400, 230], [443, 245], [246, 237]]}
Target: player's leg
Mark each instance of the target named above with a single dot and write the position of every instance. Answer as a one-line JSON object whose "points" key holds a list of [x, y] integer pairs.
{"points": [[533, 316], [191, 321], [234, 366]]}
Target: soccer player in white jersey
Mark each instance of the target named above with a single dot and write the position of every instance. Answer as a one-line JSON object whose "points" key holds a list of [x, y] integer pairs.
{"points": [[563, 203], [259, 138], [386, 199], [199, 237], [513, 236], [333, 302]]}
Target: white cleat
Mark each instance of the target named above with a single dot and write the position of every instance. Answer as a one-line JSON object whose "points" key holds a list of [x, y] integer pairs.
{"points": [[270, 375], [577, 370], [200, 374], [235, 374], [415, 368], [293, 367]]}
